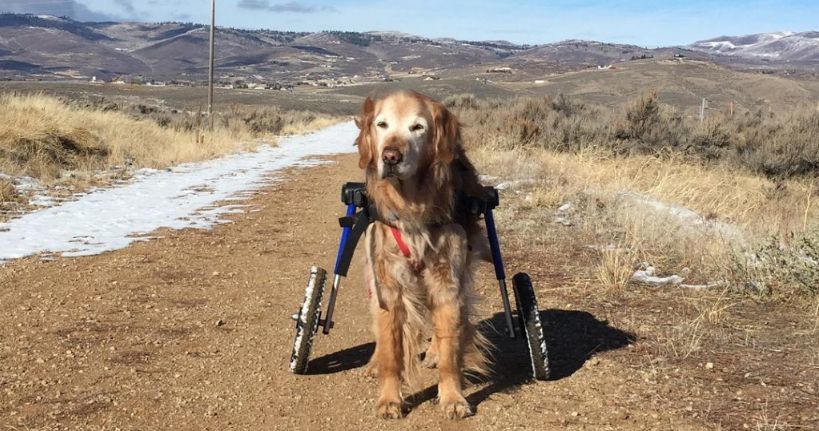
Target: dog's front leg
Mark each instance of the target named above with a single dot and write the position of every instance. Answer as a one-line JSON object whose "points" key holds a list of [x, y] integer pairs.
{"points": [[450, 318], [389, 359], [448, 327]]}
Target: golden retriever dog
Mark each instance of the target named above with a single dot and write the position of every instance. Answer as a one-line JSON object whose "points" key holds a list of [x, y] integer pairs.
{"points": [[422, 250]]}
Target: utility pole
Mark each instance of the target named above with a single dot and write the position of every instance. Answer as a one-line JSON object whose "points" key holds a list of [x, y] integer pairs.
{"points": [[210, 67], [702, 110]]}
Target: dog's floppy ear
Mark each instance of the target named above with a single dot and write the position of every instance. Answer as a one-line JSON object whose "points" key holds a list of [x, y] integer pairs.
{"points": [[364, 123], [447, 133]]}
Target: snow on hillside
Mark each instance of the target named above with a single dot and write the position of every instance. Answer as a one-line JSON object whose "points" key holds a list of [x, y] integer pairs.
{"points": [[185, 196], [783, 45]]}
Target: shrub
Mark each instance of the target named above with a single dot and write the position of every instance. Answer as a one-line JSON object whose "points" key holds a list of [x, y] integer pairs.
{"points": [[461, 101], [776, 146], [782, 269]]}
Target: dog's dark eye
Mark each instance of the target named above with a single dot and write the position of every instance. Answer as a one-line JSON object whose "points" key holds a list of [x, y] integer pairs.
{"points": [[416, 127], [382, 124]]}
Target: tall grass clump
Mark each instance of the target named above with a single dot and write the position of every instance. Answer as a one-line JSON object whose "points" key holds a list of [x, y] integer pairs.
{"points": [[8, 193]]}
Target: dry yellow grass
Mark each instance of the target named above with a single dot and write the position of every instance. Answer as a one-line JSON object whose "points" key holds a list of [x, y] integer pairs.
{"points": [[7, 191], [755, 204], [43, 137], [615, 269], [752, 208]]}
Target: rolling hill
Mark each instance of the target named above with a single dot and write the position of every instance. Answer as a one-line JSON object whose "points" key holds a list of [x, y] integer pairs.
{"points": [[48, 48]]}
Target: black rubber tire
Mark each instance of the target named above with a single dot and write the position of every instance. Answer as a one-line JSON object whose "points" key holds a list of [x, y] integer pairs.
{"points": [[307, 321], [532, 326]]}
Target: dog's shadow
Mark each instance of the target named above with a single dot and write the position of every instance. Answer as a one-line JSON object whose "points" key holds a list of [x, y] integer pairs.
{"points": [[572, 338]]}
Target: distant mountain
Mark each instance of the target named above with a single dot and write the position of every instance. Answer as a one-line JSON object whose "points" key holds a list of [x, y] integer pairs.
{"points": [[785, 47], [47, 47]]}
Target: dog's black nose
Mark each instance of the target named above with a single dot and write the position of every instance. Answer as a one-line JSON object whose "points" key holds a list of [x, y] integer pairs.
{"points": [[391, 156]]}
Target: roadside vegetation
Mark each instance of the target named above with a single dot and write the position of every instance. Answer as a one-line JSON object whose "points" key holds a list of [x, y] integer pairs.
{"points": [[728, 203], [79, 143]]}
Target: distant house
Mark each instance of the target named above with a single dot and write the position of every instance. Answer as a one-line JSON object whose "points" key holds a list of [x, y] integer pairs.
{"points": [[504, 69]]}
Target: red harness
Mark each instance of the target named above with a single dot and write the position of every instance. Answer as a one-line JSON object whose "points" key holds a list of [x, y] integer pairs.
{"points": [[405, 250]]}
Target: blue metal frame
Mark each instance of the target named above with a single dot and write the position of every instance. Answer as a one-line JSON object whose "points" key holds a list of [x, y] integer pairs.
{"points": [[345, 234], [331, 304], [500, 273]]}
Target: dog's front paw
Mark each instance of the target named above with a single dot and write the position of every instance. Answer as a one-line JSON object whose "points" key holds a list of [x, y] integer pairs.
{"points": [[456, 409], [389, 410]]}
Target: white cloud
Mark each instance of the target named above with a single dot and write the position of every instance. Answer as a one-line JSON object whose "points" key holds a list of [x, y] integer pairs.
{"points": [[291, 6], [69, 8]]}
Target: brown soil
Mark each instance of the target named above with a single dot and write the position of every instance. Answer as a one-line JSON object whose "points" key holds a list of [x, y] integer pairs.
{"points": [[193, 331]]}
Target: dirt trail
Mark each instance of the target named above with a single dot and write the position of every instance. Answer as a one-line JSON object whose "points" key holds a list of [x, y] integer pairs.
{"points": [[193, 331]]}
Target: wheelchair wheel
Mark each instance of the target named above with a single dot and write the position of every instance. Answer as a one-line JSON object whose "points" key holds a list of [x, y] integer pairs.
{"points": [[307, 320], [532, 326]]}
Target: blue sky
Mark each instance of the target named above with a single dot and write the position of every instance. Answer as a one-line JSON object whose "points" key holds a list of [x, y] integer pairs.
{"points": [[645, 23]]}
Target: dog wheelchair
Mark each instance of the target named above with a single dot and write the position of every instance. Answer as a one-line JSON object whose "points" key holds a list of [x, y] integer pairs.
{"points": [[359, 215]]}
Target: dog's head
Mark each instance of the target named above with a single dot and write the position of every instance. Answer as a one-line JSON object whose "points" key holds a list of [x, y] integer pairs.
{"points": [[404, 133]]}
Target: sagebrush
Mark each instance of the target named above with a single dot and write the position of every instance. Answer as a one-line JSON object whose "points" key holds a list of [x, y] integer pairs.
{"points": [[774, 145]]}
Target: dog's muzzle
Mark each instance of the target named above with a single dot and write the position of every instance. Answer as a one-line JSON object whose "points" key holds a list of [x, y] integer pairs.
{"points": [[391, 158]]}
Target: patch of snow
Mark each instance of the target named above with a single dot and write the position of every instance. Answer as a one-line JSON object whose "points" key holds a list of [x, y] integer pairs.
{"points": [[509, 185], [563, 213], [185, 196], [685, 215], [43, 201], [646, 276], [23, 183], [36, 192], [719, 45]]}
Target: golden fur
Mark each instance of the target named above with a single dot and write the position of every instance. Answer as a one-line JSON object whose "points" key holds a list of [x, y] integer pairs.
{"points": [[429, 293]]}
